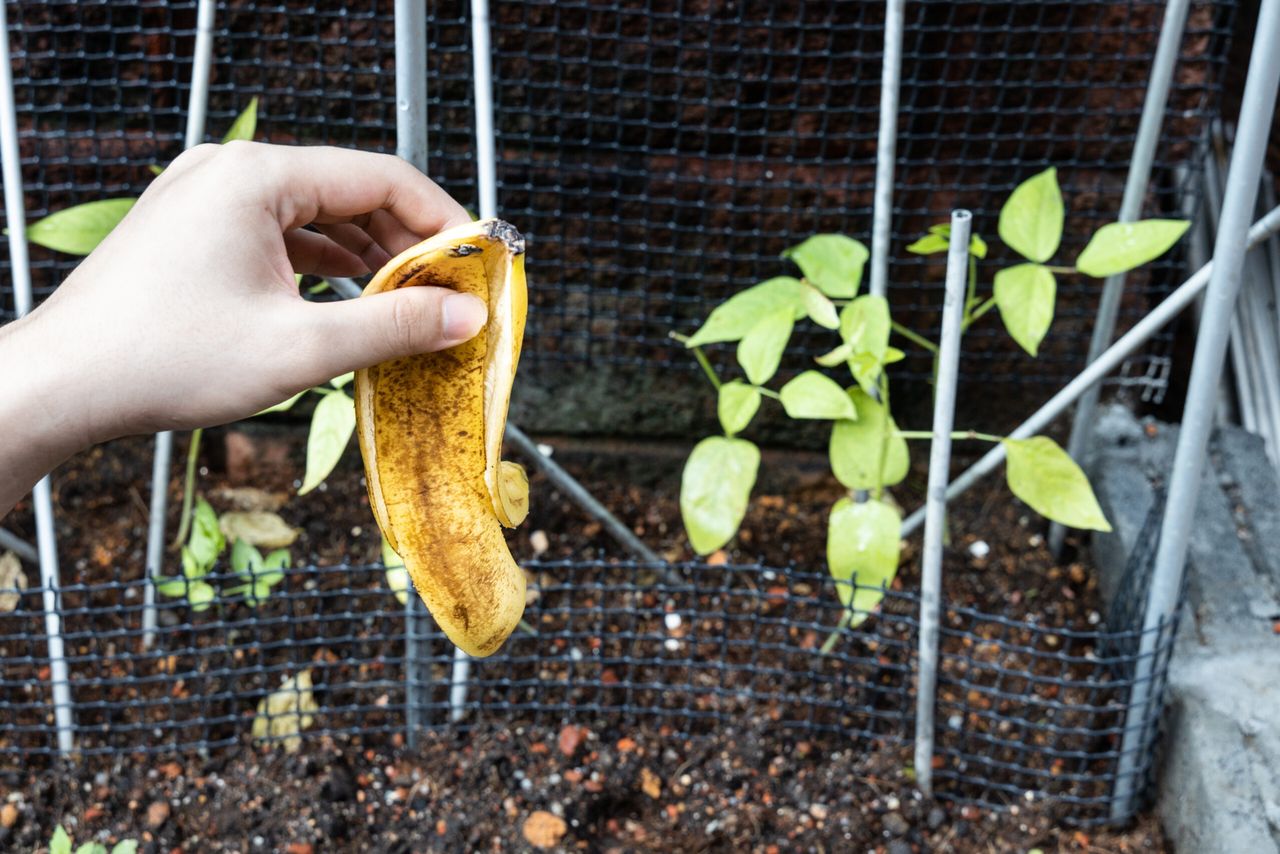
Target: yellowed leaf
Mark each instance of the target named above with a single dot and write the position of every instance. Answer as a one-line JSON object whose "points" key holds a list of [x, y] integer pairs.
{"points": [[258, 528], [286, 712], [12, 581]]}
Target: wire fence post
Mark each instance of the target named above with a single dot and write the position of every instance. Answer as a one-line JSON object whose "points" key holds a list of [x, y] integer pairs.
{"points": [[41, 495], [1256, 111], [197, 110], [886, 146], [411, 145], [944, 410], [1135, 190]]}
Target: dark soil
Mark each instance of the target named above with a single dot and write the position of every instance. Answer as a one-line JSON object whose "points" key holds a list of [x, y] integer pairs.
{"points": [[632, 784]]}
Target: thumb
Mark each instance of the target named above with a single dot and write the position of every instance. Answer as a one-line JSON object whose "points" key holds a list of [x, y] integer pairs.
{"points": [[357, 333]]}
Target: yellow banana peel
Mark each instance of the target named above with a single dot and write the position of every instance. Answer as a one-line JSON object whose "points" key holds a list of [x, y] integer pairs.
{"points": [[430, 429]]}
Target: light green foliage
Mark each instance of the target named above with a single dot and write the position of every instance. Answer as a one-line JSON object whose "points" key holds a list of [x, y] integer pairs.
{"points": [[245, 125], [1031, 220], [733, 319], [858, 447], [736, 405], [760, 351], [397, 575], [868, 453], [60, 843], [1050, 482], [78, 230], [815, 395], [1025, 294], [1121, 246], [260, 573], [863, 550], [832, 262], [332, 424], [715, 488]]}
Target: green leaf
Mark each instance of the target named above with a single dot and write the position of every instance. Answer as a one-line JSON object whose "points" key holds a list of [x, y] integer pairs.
{"points": [[339, 382], [863, 545], [737, 405], [892, 355], [278, 559], [319, 287], [157, 171], [1050, 482], [92, 848], [855, 447], [245, 559], [397, 575], [175, 587], [865, 325], [929, 244], [1031, 219], [331, 427], [128, 846], [977, 246], [1025, 295], [821, 310], [79, 230], [843, 353], [715, 488], [206, 541], [1122, 246], [760, 350], [832, 262], [200, 595], [815, 395], [735, 317], [284, 405], [246, 124], [60, 843]]}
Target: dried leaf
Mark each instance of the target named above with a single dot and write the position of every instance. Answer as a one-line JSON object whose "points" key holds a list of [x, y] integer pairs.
{"points": [[12, 581], [286, 712], [258, 528]]}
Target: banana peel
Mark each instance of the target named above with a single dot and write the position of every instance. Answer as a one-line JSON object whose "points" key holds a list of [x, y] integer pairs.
{"points": [[430, 430]]}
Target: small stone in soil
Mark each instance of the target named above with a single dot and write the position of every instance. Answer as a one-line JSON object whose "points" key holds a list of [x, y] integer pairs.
{"points": [[936, 817], [896, 824], [157, 814]]}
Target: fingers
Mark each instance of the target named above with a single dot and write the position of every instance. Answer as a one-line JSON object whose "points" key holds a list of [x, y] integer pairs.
{"points": [[358, 242], [317, 254], [352, 334], [306, 184]]}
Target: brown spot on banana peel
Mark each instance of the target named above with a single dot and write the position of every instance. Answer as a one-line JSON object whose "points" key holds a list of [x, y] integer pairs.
{"points": [[430, 429]]}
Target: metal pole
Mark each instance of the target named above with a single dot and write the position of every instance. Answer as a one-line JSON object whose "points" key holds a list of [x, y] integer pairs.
{"points": [[1135, 190], [197, 110], [411, 145], [18, 546], [1098, 370], [886, 146], [944, 411], [1256, 110], [42, 498]]}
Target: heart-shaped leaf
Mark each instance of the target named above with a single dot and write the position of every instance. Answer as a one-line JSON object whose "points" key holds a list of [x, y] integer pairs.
{"points": [[760, 351], [737, 405], [331, 427], [1031, 219], [1025, 295], [863, 546], [715, 488], [1049, 481], [1122, 246], [735, 317], [815, 395], [856, 447], [832, 262]]}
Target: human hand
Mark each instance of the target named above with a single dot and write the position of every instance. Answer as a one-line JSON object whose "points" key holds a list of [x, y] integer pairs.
{"points": [[188, 314]]}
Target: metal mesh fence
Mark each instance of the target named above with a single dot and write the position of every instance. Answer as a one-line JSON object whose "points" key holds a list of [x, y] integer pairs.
{"points": [[659, 155]]}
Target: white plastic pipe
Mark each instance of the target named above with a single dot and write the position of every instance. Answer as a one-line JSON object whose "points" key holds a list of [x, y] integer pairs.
{"points": [[886, 145]]}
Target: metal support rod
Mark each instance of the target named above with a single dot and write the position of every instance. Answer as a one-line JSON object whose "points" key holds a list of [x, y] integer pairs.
{"points": [[18, 546], [886, 145], [344, 287], [41, 495], [944, 411], [411, 145], [1135, 190], [1111, 359], [1256, 110], [197, 110]]}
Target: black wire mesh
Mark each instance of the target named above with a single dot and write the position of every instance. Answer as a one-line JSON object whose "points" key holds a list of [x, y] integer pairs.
{"points": [[659, 155], [1027, 712]]}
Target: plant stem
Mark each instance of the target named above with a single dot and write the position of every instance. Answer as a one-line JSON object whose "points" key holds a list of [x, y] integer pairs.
{"points": [[978, 312], [706, 366], [768, 392], [834, 637], [188, 489], [1066, 270], [955, 434], [882, 384], [913, 337]]}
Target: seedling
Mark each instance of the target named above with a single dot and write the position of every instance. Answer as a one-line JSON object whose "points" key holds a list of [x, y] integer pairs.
{"points": [[60, 843], [867, 450]]}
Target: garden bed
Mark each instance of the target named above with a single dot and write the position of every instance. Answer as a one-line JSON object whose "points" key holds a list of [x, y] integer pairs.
{"points": [[1026, 700]]}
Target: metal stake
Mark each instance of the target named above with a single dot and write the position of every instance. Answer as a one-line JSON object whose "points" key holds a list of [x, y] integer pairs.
{"points": [[1256, 110], [42, 498], [18, 546], [1135, 190], [411, 145], [197, 109], [1111, 359], [944, 411], [886, 146]]}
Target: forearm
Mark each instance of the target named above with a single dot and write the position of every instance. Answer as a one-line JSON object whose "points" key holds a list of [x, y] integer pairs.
{"points": [[41, 424]]}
